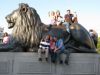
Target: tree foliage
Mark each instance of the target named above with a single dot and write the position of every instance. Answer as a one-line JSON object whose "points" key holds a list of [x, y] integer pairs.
{"points": [[98, 46]]}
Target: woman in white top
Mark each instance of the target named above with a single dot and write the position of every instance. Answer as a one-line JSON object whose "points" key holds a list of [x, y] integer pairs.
{"points": [[52, 18], [59, 18]]}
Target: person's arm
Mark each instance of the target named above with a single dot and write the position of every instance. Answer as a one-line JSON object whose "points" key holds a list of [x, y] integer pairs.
{"points": [[61, 43], [57, 48], [64, 18]]}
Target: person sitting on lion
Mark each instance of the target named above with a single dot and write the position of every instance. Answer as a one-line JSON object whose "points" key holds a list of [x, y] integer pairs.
{"points": [[59, 18], [52, 18], [68, 20]]}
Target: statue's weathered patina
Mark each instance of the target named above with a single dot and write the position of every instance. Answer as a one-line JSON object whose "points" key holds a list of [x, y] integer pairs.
{"points": [[28, 31]]}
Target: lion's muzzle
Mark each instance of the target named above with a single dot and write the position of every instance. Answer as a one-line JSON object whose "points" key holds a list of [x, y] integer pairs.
{"points": [[9, 21]]}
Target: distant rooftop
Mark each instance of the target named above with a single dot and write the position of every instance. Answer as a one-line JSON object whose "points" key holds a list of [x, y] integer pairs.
{"points": [[1, 30]]}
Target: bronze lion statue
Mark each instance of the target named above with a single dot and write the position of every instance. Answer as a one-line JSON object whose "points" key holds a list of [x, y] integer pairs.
{"points": [[28, 31], [27, 26]]}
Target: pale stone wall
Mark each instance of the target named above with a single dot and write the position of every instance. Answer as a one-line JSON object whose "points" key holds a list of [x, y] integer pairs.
{"points": [[28, 64]]}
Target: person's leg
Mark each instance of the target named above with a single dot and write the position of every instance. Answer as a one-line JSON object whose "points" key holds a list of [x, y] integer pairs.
{"points": [[59, 53], [66, 37], [67, 52], [46, 54], [66, 24], [52, 56], [40, 54]]}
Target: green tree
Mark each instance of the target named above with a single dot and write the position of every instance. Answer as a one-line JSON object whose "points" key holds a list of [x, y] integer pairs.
{"points": [[98, 46]]}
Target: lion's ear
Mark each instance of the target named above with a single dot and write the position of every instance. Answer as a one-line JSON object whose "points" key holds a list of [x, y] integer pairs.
{"points": [[23, 7]]}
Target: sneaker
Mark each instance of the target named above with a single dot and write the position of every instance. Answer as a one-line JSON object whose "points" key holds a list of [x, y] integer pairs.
{"points": [[40, 59], [46, 59], [53, 61], [61, 62], [66, 62]]}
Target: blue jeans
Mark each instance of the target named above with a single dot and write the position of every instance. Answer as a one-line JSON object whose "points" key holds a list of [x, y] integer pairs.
{"points": [[53, 56], [66, 24], [59, 52]]}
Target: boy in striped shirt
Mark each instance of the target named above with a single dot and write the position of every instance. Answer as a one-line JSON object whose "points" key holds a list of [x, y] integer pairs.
{"points": [[44, 47]]}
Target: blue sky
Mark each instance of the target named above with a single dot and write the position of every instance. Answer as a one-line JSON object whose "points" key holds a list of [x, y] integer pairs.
{"points": [[88, 11]]}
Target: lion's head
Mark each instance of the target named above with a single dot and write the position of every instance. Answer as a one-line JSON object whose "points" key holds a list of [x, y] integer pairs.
{"points": [[26, 25]]}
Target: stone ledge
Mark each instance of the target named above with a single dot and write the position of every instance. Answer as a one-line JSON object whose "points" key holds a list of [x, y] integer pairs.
{"points": [[21, 63]]}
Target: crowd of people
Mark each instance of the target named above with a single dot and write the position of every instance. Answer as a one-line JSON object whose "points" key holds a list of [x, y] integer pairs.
{"points": [[53, 46], [68, 19]]}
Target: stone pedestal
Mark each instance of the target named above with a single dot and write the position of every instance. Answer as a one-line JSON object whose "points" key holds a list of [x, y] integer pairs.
{"points": [[28, 64]]}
